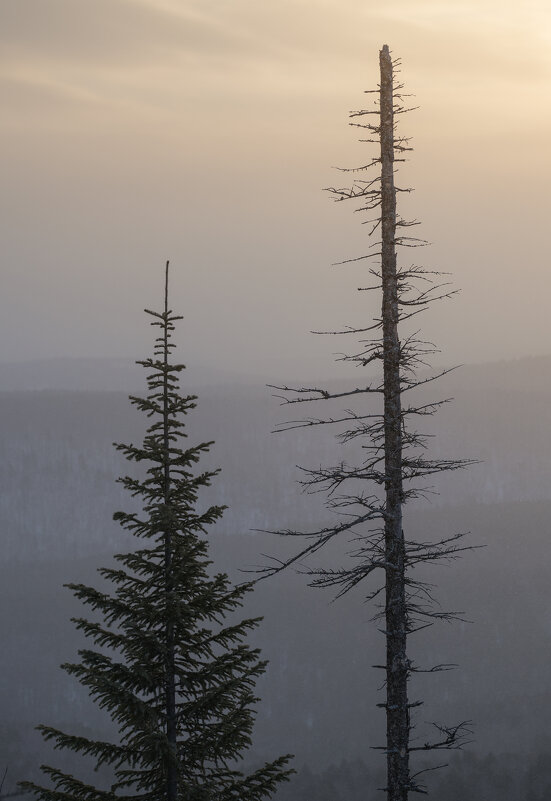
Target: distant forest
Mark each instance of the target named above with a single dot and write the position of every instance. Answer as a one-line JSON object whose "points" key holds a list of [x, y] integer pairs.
{"points": [[58, 474]]}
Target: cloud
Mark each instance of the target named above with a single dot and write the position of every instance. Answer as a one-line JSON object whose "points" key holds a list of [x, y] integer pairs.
{"points": [[166, 59], [138, 31], [498, 40], [121, 34], [102, 31], [77, 51]]}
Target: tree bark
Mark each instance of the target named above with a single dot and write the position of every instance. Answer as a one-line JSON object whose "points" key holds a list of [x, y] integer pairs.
{"points": [[397, 710]]}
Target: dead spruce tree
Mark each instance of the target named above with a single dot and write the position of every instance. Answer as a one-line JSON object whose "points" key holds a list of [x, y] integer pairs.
{"points": [[368, 498], [168, 659]]}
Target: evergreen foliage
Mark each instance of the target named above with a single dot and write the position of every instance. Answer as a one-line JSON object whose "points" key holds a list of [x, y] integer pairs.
{"points": [[176, 677]]}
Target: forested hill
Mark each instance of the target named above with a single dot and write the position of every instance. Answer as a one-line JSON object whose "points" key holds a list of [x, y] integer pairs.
{"points": [[59, 467], [59, 492]]}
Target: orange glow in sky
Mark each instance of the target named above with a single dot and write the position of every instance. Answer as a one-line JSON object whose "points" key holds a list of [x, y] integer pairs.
{"points": [[202, 131]]}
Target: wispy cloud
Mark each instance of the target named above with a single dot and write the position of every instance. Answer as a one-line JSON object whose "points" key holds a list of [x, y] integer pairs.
{"points": [[155, 55]]}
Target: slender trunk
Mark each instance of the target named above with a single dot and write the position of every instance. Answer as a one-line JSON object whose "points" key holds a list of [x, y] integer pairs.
{"points": [[397, 711], [170, 688]]}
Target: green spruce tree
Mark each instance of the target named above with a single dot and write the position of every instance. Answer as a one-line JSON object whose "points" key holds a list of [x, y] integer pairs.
{"points": [[175, 675]]}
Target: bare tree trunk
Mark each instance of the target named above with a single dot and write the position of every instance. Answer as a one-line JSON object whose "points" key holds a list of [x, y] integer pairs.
{"points": [[395, 602], [376, 519]]}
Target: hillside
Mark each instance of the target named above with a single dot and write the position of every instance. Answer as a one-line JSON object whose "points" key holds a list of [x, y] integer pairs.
{"points": [[58, 476]]}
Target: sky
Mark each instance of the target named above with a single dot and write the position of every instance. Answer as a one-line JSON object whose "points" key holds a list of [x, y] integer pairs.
{"points": [[204, 131]]}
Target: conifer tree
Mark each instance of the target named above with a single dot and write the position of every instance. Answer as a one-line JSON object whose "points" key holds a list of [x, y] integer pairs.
{"points": [[174, 674]]}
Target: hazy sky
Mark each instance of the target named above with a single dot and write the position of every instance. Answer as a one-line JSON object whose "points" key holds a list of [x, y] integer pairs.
{"points": [[204, 130]]}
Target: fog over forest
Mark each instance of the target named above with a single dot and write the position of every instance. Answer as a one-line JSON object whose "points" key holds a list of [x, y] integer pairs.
{"points": [[319, 694], [203, 131]]}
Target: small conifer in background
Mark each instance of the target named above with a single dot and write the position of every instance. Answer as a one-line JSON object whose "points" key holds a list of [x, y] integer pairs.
{"points": [[174, 674]]}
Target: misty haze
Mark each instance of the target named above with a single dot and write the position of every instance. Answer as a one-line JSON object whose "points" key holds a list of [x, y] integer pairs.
{"points": [[318, 695], [140, 130]]}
